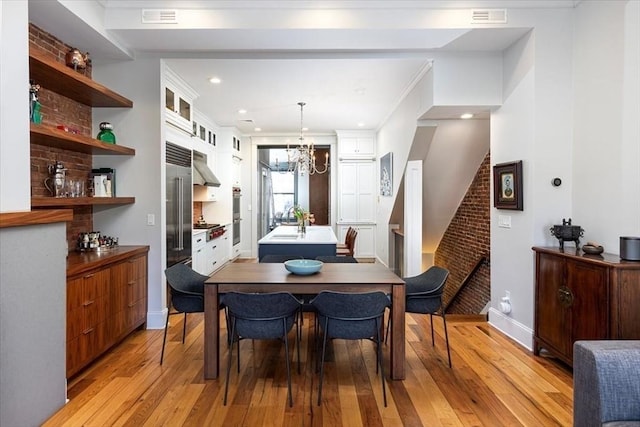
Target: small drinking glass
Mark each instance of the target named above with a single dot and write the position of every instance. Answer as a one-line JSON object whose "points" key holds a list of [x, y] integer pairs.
{"points": [[71, 188]]}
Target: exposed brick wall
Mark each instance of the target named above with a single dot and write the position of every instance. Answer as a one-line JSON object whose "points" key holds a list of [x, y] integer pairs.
{"points": [[58, 109], [468, 238]]}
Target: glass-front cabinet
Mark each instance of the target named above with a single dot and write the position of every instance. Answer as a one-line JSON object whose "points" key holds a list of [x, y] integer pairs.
{"points": [[178, 101]]}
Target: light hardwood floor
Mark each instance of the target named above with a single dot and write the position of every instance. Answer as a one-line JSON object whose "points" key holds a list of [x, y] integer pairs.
{"points": [[493, 382]]}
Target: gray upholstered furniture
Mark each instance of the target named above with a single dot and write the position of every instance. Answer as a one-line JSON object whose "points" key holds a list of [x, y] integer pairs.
{"points": [[606, 383]]}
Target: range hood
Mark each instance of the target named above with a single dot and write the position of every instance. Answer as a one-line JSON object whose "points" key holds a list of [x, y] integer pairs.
{"points": [[202, 175]]}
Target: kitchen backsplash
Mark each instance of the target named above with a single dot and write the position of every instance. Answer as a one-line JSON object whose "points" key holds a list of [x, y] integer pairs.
{"points": [[197, 211]]}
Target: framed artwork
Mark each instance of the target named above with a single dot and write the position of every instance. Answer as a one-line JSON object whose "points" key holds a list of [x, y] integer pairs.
{"points": [[507, 186], [386, 175]]}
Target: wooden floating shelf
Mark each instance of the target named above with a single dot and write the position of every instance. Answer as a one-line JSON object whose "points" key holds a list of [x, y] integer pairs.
{"points": [[59, 78], [53, 137], [47, 202], [39, 217]]}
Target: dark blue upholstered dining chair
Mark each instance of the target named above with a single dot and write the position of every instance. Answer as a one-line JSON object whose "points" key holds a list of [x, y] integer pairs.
{"points": [[186, 289], [351, 316], [261, 316], [424, 296]]}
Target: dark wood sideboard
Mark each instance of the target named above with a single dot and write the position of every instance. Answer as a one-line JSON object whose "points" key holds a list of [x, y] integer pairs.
{"points": [[106, 301], [583, 297]]}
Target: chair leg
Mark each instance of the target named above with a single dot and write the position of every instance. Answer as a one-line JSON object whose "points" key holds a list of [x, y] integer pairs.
{"points": [[386, 335], [379, 357], [286, 352], [433, 342], [184, 328], [164, 340], [226, 387], [324, 349], [298, 341], [446, 336]]}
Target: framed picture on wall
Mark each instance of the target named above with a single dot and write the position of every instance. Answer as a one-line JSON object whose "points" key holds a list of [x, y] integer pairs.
{"points": [[507, 186], [386, 175]]}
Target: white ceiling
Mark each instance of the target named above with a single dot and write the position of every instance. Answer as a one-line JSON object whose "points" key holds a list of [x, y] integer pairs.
{"points": [[350, 61]]}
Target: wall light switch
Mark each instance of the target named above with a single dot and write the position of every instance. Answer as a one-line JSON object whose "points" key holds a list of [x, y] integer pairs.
{"points": [[151, 219], [504, 221]]}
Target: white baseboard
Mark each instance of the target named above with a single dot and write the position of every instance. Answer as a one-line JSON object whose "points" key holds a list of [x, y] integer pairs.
{"points": [[156, 319], [512, 328]]}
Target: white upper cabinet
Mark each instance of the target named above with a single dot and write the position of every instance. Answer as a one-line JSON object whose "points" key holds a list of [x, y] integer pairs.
{"points": [[178, 101], [356, 144], [357, 191]]}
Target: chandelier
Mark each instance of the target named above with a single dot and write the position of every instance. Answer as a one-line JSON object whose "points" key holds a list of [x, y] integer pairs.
{"points": [[302, 159]]}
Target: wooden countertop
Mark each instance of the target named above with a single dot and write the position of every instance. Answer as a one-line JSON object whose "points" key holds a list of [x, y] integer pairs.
{"points": [[82, 262], [607, 259], [37, 217]]}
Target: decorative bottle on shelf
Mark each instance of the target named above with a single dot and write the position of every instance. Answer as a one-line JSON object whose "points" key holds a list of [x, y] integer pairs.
{"points": [[34, 105], [106, 133]]}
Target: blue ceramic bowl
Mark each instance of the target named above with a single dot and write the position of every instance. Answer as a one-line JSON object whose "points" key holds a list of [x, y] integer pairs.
{"points": [[303, 267]]}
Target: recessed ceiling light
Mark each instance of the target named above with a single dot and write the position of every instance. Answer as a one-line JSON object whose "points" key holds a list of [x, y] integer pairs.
{"points": [[215, 80], [305, 129], [258, 129], [360, 124], [242, 111], [466, 116]]}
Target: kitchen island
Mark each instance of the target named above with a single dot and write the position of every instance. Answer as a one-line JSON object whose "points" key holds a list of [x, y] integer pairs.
{"points": [[285, 240]]}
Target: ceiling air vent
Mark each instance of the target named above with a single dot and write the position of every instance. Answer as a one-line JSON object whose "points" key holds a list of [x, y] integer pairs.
{"points": [[489, 16], [247, 120], [159, 16]]}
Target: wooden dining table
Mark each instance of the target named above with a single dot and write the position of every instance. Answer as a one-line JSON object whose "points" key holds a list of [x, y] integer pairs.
{"points": [[273, 277]]}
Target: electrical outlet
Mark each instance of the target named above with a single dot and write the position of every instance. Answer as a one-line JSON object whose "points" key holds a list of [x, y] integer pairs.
{"points": [[151, 219]]}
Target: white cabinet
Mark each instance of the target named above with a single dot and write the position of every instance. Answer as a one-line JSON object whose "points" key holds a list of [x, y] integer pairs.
{"points": [[356, 192], [199, 258], [236, 171], [204, 132], [217, 252], [356, 144], [365, 239], [178, 101]]}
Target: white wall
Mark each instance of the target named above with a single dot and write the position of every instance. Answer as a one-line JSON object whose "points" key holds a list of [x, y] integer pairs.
{"points": [[456, 151], [533, 125], [15, 179], [467, 79], [454, 79], [32, 357], [142, 175], [606, 151]]}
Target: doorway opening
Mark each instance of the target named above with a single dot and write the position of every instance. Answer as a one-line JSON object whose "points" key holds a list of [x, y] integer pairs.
{"points": [[280, 191]]}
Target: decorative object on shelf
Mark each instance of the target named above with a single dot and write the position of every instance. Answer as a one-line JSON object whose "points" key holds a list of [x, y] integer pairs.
{"points": [[76, 59], [34, 105], [55, 182], [386, 174], [68, 129], [567, 233], [303, 267], [592, 248], [507, 186], [106, 133], [630, 248], [302, 159], [93, 241], [104, 182]]}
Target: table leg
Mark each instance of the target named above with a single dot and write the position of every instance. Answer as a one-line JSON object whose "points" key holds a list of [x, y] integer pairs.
{"points": [[397, 332], [211, 332]]}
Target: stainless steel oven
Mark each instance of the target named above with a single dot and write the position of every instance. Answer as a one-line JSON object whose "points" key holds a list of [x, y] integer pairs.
{"points": [[236, 215]]}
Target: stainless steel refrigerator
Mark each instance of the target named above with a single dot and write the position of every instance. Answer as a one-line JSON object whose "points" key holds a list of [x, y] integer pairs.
{"points": [[179, 204]]}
